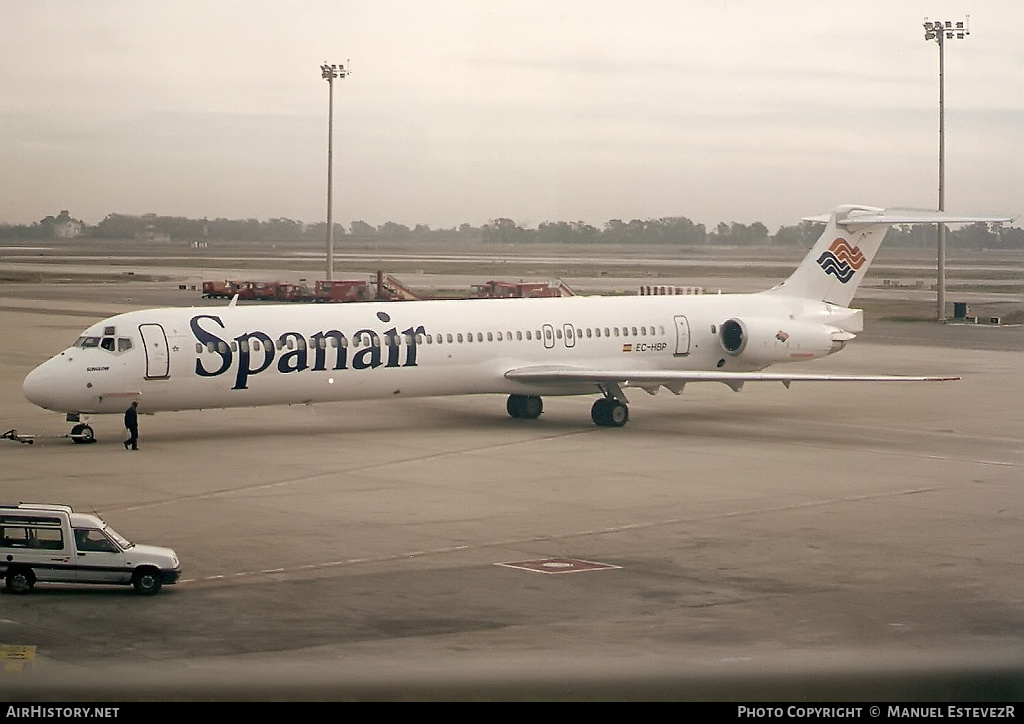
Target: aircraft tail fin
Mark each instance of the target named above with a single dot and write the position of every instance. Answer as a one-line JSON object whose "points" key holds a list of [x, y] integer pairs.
{"points": [[838, 262]]}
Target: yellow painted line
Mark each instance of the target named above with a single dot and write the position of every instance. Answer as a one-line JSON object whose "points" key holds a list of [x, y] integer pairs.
{"points": [[15, 659]]}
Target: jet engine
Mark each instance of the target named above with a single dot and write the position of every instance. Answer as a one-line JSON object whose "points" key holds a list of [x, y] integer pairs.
{"points": [[765, 341]]}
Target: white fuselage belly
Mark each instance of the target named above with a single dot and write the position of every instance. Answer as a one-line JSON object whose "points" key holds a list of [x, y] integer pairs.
{"points": [[404, 357]]}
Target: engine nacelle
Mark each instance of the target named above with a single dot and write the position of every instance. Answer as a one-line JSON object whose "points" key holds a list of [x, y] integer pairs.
{"points": [[766, 341]]}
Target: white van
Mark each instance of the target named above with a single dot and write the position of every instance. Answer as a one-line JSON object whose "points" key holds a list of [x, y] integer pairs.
{"points": [[52, 543]]}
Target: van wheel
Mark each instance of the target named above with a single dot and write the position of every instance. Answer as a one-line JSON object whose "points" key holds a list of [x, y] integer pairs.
{"points": [[20, 580], [146, 582]]}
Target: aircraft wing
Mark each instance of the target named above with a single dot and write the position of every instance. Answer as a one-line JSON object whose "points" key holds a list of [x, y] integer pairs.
{"points": [[651, 380]]}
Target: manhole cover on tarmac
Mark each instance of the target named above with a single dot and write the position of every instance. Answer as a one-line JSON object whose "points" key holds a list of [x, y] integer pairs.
{"points": [[558, 565]]}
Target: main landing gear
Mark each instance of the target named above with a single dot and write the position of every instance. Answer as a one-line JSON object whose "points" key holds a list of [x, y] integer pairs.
{"points": [[524, 407], [606, 412], [609, 412]]}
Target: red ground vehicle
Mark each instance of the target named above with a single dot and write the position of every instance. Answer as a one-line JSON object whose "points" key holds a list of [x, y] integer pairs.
{"points": [[219, 290], [353, 290], [289, 292]]}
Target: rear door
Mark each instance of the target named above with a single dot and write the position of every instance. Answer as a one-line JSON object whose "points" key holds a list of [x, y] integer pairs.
{"points": [[37, 542], [682, 336]]}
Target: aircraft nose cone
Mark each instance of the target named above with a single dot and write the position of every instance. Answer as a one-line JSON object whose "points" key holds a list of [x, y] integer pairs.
{"points": [[39, 386]]}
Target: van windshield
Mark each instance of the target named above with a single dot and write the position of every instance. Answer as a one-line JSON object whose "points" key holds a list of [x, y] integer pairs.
{"points": [[122, 542]]}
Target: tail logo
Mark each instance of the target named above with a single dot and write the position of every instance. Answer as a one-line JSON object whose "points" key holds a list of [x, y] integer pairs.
{"points": [[841, 260]]}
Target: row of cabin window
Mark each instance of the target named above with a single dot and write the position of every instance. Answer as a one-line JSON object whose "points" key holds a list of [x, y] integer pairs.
{"points": [[447, 338]]}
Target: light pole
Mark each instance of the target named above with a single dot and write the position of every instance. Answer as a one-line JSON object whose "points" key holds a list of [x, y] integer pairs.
{"points": [[330, 72], [941, 31]]}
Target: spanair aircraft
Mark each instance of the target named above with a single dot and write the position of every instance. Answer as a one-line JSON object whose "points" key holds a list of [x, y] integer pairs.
{"points": [[248, 356]]}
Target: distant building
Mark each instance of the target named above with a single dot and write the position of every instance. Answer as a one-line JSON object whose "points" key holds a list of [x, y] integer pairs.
{"points": [[151, 234], [67, 229]]}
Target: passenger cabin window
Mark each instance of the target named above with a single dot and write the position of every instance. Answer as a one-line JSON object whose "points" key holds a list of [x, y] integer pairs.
{"points": [[31, 537]]}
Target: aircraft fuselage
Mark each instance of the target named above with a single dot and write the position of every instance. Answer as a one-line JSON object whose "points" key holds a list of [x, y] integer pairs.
{"points": [[194, 358]]}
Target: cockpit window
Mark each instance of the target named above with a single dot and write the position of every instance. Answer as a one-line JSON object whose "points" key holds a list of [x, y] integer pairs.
{"points": [[111, 344]]}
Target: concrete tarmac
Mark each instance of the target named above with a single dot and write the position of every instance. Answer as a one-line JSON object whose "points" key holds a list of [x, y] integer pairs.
{"points": [[830, 541]]}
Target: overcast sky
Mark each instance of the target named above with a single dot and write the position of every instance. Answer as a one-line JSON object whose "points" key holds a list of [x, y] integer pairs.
{"points": [[469, 110]]}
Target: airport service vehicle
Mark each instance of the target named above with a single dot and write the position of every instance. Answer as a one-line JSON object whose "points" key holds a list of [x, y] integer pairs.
{"points": [[248, 356], [53, 543]]}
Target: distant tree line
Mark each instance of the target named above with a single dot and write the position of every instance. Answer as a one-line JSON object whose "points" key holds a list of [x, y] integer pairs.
{"points": [[670, 230]]}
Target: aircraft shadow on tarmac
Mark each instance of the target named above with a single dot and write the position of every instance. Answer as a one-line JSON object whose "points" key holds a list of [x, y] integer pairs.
{"points": [[706, 420]]}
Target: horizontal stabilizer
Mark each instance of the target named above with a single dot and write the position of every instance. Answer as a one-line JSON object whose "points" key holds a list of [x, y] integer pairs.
{"points": [[857, 217]]}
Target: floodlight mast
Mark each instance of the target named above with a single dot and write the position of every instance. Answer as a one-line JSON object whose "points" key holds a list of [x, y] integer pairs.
{"points": [[941, 31], [329, 73]]}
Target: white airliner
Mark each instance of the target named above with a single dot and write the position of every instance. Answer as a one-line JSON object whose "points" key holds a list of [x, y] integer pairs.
{"points": [[248, 356]]}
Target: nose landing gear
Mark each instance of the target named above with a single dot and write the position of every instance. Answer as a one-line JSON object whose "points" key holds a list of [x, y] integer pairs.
{"points": [[82, 434]]}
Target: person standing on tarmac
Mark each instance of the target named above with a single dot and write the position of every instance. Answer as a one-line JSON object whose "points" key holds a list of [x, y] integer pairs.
{"points": [[131, 421]]}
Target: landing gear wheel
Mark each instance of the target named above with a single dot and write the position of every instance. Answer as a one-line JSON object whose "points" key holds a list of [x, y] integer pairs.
{"points": [[524, 407], [608, 412], [82, 434], [20, 580], [618, 414]]}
